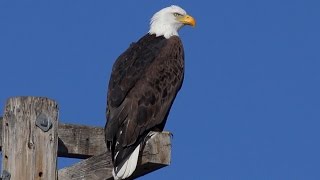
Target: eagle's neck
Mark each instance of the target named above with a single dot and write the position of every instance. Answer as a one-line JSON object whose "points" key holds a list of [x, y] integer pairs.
{"points": [[163, 28], [165, 31]]}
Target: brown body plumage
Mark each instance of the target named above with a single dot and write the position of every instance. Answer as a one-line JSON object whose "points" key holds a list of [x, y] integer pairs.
{"points": [[144, 82]]}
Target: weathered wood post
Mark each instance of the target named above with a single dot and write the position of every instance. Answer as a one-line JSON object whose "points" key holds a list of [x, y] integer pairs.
{"points": [[30, 139], [156, 154]]}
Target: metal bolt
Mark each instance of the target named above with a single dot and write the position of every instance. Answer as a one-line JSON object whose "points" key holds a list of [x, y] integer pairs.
{"points": [[43, 122]]}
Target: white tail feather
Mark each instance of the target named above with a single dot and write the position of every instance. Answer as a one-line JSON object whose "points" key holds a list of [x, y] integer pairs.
{"points": [[128, 167]]}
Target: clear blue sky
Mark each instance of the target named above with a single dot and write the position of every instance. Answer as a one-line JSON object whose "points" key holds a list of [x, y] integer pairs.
{"points": [[250, 105]]}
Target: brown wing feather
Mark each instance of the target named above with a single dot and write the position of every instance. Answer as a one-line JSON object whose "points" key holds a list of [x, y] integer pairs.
{"points": [[154, 95]]}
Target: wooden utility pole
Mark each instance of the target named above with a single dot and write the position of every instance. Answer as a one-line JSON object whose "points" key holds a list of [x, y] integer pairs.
{"points": [[30, 139]]}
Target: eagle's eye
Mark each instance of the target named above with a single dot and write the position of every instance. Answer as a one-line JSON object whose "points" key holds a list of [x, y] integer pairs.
{"points": [[177, 14]]}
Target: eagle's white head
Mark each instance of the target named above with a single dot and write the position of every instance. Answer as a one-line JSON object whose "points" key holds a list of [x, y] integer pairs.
{"points": [[169, 20]]}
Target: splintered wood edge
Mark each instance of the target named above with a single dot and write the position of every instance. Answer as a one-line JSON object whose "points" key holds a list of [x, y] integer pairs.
{"points": [[155, 154]]}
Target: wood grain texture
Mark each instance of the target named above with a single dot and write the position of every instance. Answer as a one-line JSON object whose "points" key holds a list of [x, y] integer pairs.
{"points": [[155, 154], [28, 152], [78, 141], [96, 167]]}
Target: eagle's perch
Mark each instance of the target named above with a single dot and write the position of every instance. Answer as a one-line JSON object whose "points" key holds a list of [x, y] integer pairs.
{"points": [[74, 141], [144, 82]]}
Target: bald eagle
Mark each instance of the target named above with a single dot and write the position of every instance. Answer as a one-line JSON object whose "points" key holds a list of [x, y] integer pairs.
{"points": [[144, 82]]}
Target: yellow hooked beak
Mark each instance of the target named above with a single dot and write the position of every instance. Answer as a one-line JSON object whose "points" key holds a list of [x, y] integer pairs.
{"points": [[187, 20]]}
